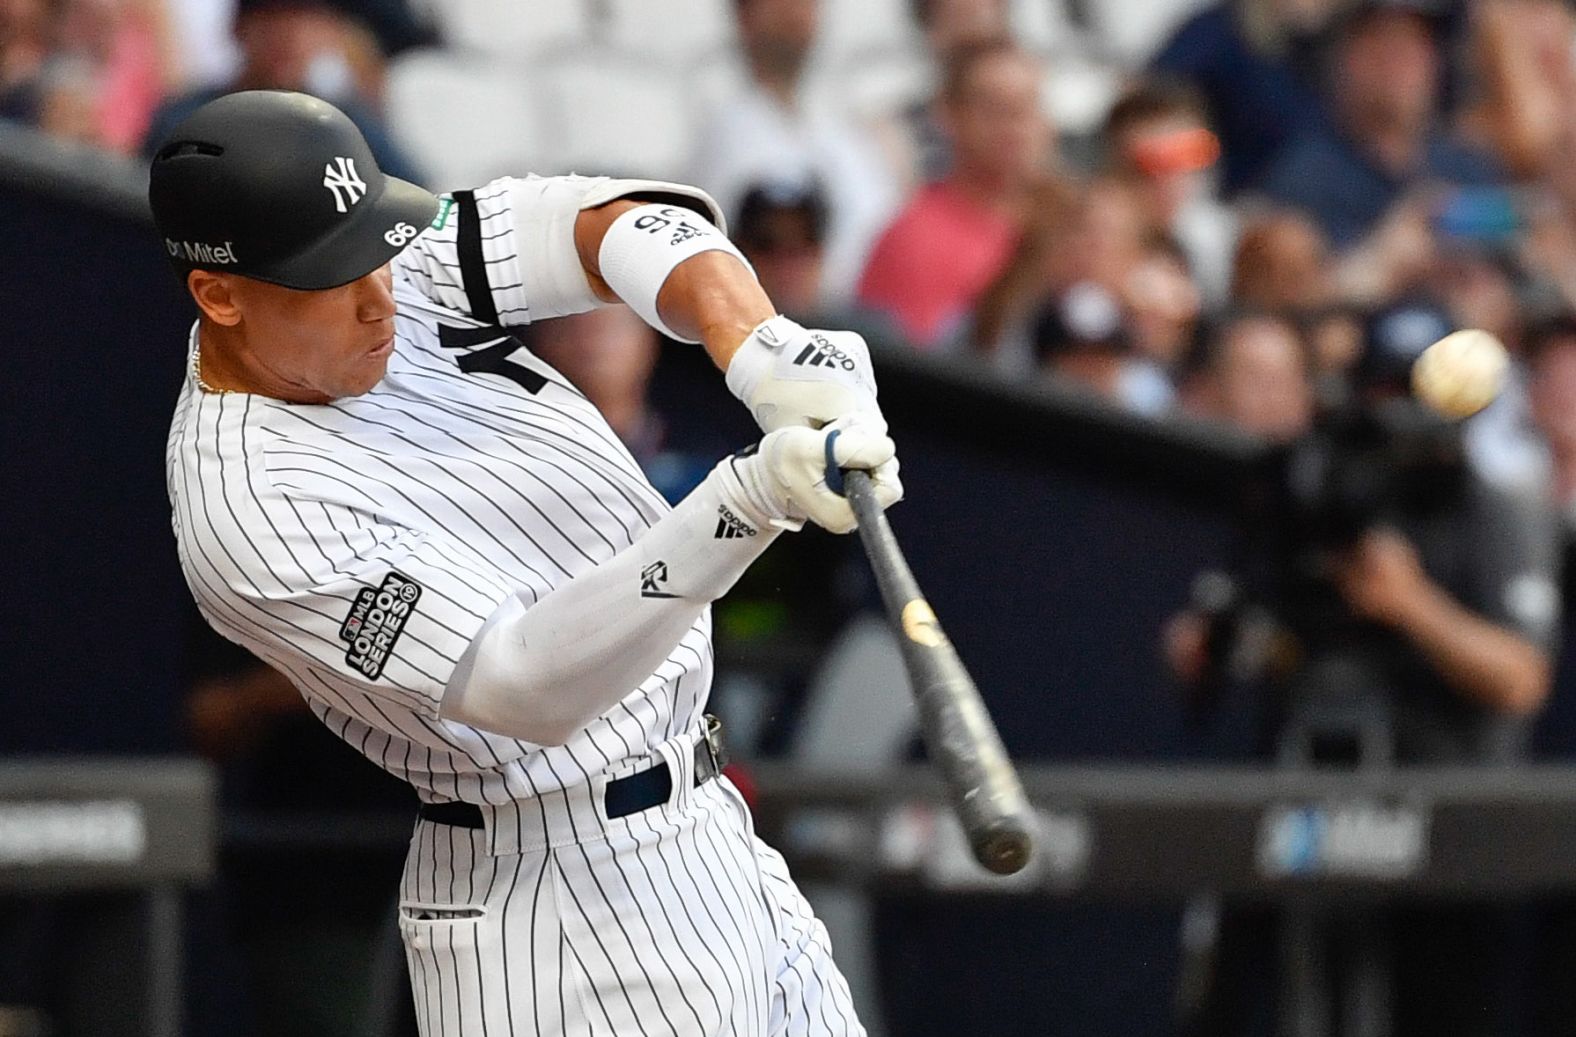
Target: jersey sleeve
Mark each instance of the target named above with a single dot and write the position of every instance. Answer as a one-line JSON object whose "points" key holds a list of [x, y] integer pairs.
{"points": [[309, 582], [505, 253]]}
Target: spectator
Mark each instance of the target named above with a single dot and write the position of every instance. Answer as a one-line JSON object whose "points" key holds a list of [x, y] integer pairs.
{"points": [[933, 263], [1102, 237], [1521, 53], [1255, 376], [1252, 61], [948, 24], [1082, 336], [125, 42], [1079, 338], [1282, 263], [1527, 112], [66, 104], [781, 229], [1163, 307], [923, 153], [1094, 234], [24, 47], [92, 71], [1364, 166], [1161, 146], [310, 46], [772, 130], [1552, 388], [397, 25]]}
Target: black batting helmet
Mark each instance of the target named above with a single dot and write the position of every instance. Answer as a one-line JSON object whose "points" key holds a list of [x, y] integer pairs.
{"points": [[280, 187]]}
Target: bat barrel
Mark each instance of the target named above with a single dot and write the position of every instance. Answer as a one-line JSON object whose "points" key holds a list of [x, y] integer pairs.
{"points": [[986, 793]]}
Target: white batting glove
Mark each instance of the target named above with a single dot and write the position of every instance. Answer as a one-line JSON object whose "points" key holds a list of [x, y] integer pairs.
{"points": [[784, 481], [791, 375]]}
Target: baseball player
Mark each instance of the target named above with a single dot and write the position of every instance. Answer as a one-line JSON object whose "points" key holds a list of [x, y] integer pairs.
{"points": [[445, 547]]}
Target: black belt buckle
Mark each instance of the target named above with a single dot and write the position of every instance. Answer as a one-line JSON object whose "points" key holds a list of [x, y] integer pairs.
{"points": [[711, 756]]}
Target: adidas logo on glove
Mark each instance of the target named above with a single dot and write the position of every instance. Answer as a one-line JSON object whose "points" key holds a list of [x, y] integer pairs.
{"points": [[820, 352]]}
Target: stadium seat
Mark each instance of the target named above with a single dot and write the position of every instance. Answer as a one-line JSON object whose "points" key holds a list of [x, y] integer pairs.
{"points": [[1078, 92], [464, 120], [610, 111], [674, 31], [511, 29], [874, 85], [1043, 26], [857, 27], [712, 82]]}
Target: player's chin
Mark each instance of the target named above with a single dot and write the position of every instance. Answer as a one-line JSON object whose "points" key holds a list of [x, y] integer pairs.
{"points": [[364, 378]]}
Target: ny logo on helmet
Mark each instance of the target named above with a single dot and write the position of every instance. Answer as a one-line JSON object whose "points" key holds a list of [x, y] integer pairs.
{"points": [[340, 176]]}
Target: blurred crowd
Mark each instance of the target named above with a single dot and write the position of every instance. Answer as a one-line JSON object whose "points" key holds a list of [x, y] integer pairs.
{"points": [[1275, 191]]}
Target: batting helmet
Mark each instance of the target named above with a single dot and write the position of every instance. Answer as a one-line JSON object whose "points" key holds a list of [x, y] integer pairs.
{"points": [[280, 187]]}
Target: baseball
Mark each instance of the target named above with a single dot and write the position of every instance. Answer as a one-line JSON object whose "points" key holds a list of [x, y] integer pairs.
{"points": [[1461, 373]]}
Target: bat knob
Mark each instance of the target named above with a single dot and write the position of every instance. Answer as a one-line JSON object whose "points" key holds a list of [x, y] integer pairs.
{"points": [[1005, 851]]}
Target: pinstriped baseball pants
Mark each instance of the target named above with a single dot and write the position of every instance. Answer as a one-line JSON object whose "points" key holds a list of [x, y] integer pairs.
{"points": [[672, 922]]}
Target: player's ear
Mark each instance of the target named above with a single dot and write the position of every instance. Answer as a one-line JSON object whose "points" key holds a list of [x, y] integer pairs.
{"points": [[214, 295]]}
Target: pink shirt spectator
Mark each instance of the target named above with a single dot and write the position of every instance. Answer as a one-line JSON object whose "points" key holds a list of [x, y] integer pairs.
{"points": [[934, 260], [133, 85]]}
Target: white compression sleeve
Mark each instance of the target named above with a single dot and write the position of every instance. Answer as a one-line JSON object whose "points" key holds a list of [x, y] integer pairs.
{"points": [[544, 672], [641, 248]]}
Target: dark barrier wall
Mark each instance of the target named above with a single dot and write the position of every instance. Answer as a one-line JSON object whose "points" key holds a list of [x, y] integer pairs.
{"points": [[92, 608]]}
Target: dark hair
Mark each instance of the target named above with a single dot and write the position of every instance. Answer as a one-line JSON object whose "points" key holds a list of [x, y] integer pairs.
{"points": [[1429, 13], [960, 61], [1083, 318], [1154, 98], [764, 198]]}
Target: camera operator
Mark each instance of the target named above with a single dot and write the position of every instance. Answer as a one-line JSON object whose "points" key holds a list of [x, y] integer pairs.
{"points": [[1396, 608]]}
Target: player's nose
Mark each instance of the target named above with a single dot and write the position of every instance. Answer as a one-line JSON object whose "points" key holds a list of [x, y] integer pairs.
{"points": [[375, 296]]}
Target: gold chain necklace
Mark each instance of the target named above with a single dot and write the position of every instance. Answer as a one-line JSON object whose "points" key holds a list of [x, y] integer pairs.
{"points": [[197, 373]]}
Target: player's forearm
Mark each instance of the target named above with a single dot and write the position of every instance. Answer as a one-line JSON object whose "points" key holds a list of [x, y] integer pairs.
{"points": [[544, 672], [1482, 660], [715, 298], [676, 269]]}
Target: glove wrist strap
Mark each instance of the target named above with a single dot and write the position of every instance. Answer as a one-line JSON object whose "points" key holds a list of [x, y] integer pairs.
{"points": [[755, 357]]}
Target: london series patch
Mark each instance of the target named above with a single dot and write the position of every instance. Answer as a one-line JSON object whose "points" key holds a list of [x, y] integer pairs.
{"points": [[377, 617]]}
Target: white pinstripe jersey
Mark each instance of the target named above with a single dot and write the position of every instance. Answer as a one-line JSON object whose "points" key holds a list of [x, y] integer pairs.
{"points": [[305, 531]]}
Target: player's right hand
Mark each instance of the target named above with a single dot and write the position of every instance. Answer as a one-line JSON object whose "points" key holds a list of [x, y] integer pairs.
{"points": [[785, 481], [788, 374]]}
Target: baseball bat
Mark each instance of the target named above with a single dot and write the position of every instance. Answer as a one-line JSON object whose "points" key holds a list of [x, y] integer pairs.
{"points": [[980, 779]]}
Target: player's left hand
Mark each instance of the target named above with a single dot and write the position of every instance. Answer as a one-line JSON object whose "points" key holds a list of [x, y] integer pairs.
{"points": [[791, 477], [791, 375]]}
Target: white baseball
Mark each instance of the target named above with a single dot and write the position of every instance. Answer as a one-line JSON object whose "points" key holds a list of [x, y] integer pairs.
{"points": [[1461, 373]]}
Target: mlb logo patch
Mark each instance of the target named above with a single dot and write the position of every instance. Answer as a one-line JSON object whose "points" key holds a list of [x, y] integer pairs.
{"points": [[376, 619]]}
